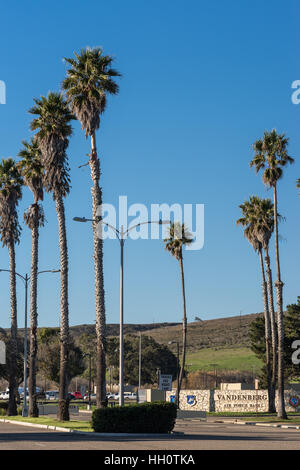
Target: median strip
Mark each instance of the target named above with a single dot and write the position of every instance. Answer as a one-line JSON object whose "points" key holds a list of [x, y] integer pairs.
{"points": [[87, 433], [251, 423]]}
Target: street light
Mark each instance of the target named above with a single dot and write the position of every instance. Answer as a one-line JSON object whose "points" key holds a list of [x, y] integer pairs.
{"points": [[26, 278], [216, 378], [178, 391], [121, 235], [90, 377], [140, 359]]}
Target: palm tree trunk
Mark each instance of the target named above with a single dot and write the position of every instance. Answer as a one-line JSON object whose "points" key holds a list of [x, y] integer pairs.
{"points": [[279, 287], [99, 280], [33, 408], [12, 405], [63, 408], [273, 330], [184, 327], [271, 403]]}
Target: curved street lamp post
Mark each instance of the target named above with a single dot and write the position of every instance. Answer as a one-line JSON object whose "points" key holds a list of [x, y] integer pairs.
{"points": [[121, 235]]}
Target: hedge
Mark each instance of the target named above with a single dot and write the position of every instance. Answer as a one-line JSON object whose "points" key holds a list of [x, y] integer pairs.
{"points": [[3, 408], [156, 418]]}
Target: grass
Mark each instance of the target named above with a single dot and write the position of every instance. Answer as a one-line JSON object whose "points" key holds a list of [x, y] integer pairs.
{"points": [[242, 359], [72, 424]]}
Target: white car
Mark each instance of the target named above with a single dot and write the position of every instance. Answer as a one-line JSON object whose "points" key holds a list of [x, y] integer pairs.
{"points": [[132, 396], [4, 395], [93, 396], [52, 395], [110, 395]]}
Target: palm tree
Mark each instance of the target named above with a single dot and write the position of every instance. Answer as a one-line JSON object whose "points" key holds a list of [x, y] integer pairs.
{"points": [[54, 129], [298, 183], [88, 81], [10, 194], [31, 169], [271, 156], [177, 238], [258, 218]]}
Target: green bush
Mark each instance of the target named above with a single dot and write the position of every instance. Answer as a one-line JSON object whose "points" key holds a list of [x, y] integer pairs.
{"points": [[156, 417], [3, 408]]}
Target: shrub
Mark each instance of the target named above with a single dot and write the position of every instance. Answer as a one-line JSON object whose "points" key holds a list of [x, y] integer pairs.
{"points": [[3, 408], [156, 417]]}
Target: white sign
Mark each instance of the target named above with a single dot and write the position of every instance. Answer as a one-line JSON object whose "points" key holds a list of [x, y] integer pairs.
{"points": [[165, 382]]}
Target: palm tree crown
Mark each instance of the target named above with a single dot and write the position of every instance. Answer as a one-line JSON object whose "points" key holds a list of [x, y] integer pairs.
{"points": [[258, 218], [54, 129], [178, 237], [271, 155], [88, 81], [31, 168]]}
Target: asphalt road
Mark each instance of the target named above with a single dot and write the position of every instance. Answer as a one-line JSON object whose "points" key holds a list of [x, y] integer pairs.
{"points": [[197, 436]]}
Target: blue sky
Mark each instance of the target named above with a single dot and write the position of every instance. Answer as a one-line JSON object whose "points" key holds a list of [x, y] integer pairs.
{"points": [[201, 82]]}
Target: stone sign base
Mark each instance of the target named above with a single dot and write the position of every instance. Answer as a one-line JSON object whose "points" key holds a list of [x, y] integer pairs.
{"points": [[231, 400]]}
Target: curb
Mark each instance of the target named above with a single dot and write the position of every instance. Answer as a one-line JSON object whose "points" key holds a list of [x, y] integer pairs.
{"points": [[269, 425], [87, 433]]}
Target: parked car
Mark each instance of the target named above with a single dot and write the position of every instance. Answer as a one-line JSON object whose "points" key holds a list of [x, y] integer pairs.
{"points": [[93, 396], [71, 396], [77, 395], [132, 396], [4, 395], [110, 395], [52, 395]]}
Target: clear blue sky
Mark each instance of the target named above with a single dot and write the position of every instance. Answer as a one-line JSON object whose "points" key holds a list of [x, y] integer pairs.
{"points": [[201, 81]]}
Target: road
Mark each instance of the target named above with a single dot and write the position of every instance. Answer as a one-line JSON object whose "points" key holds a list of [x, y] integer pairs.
{"points": [[197, 436]]}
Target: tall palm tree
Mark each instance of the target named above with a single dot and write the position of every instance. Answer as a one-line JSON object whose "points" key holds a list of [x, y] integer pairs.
{"points": [[31, 169], [258, 218], [298, 183], [271, 156], [88, 81], [53, 132], [10, 194], [179, 237]]}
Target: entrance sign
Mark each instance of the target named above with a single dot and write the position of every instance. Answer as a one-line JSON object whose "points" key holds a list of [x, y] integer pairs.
{"points": [[191, 400], [295, 401]]}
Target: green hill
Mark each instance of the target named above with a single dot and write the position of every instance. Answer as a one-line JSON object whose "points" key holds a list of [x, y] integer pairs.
{"points": [[221, 343]]}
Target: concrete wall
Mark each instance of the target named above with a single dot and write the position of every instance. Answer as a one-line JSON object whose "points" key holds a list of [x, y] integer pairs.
{"points": [[203, 399], [241, 400], [229, 400]]}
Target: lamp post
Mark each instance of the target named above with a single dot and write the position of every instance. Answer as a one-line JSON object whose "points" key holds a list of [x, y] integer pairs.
{"points": [[121, 235], [26, 278], [90, 377], [216, 377], [178, 390], [140, 359]]}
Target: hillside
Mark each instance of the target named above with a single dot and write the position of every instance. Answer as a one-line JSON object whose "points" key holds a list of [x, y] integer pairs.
{"points": [[222, 342], [217, 333]]}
